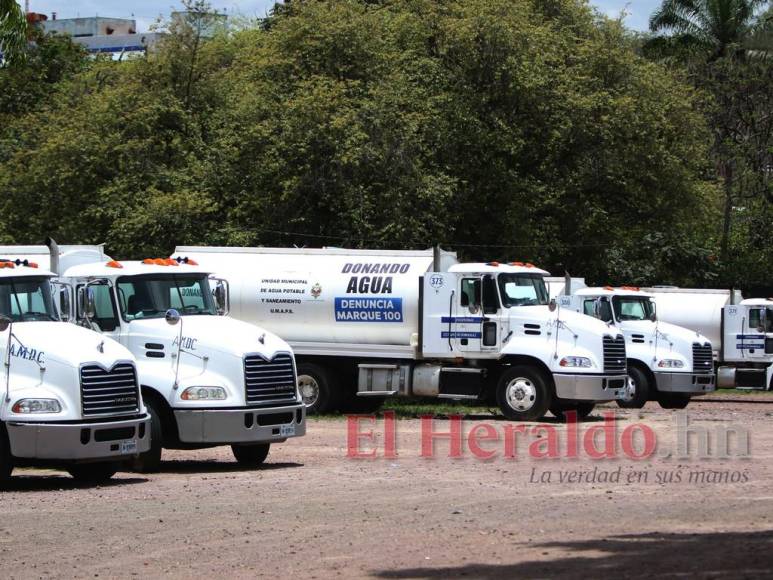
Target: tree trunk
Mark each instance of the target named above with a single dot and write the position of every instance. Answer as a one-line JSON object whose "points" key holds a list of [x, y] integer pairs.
{"points": [[728, 187]]}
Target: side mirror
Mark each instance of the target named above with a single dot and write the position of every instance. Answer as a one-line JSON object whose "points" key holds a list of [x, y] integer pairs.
{"points": [[172, 317], [64, 304], [5, 322], [552, 305], [87, 307], [221, 298]]}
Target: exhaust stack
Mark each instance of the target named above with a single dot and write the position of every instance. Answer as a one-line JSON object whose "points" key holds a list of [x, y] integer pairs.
{"points": [[53, 250]]}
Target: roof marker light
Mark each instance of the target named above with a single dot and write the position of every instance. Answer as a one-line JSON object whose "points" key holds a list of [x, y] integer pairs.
{"points": [[516, 263], [114, 264], [529, 265], [495, 264], [609, 288]]}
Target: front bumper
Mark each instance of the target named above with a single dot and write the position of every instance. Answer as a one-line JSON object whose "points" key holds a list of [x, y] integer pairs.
{"points": [[243, 425], [685, 383], [79, 441], [589, 387]]}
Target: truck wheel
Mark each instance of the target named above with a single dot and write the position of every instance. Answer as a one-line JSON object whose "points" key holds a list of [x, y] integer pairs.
{"points": [[582, 409], [6, 459], [316, 389], [522, 394], [637, 390], [251, 455], [150, 461], [93, 472], [673, 400]]}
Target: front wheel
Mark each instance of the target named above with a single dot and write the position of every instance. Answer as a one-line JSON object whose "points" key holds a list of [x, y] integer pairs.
{"points": [[636, 391], [316, 388], [150, 461], [560, 409], [6, 459], [93, 472], [251, 455], [523, 394], [673, 400]]}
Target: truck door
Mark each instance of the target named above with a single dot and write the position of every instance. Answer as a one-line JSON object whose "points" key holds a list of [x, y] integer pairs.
{"points": [[105, 318], [438, 298], [476, 324]]}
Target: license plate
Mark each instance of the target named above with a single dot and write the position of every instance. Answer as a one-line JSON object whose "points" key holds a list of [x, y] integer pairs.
{"points": [[128, 447], [287, 430]]}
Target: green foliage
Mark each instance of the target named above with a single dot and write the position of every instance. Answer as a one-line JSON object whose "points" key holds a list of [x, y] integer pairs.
{"points": [[13, 31], [499, 128]]}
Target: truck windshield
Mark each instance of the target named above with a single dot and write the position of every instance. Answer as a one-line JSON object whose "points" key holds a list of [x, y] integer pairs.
{"points": [[25, 299], [632, 307], [151, 295], [522, 290]]}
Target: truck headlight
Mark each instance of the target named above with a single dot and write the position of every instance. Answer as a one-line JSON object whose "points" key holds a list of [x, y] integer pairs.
{"points": [[203, 394], [670, 363], [31, 406], [575, 361]]}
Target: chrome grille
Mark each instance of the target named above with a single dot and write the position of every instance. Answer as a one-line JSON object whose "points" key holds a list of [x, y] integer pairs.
{"points": [[614, 355], [109, 392], [269, 383], [702, 358]]}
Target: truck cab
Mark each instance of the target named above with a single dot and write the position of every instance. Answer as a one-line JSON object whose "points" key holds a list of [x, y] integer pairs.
{"points": [[207, 379], [666, 363], [747, 344], [502, 312], [71, 398]]}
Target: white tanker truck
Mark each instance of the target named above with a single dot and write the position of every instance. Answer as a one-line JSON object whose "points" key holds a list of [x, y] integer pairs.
{"points": [[741, 331], [207, 380], [666, 363], [377, 323], [70, 397]]}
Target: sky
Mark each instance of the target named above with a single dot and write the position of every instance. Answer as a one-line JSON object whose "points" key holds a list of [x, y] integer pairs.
{"points": [[145, 12]]}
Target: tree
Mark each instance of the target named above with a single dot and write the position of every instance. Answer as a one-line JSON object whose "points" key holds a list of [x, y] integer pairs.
{"points": [[13, 30], [714, 28]]}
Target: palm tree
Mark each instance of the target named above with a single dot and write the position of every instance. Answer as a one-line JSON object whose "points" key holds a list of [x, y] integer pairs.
{"points": [[711, 27], [13, 29]]}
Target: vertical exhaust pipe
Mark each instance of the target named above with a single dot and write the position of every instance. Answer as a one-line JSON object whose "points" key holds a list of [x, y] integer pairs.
{"points": [[436, 258], [53, 251], [567, 284]]}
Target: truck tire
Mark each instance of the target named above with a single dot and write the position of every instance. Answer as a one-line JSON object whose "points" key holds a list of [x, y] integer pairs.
{"points": [[523, 394], [637, 391], [93, 472], [251, 455], [583, 409], [317, 389], [6, 459], [673, 400], [150, 461]]}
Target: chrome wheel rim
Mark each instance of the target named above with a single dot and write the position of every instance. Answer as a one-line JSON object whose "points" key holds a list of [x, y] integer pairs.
{"points": [[520, 394], [629, 391], [309, 388]]}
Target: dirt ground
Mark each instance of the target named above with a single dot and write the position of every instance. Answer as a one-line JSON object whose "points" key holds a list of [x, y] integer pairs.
{"points": [[313, 512]]}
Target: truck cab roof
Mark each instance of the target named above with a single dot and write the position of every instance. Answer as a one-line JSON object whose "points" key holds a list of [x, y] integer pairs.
{"points": [[116, 269], [497, 268], [14, 268], [610, 291], [757, 302]]}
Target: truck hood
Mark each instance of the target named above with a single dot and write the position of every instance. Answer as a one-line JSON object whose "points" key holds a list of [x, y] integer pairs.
{"points": [[204, 335], [675, 334], [61, 343], [573, 321]]}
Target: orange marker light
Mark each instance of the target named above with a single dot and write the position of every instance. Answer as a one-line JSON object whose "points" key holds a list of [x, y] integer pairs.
{"points": [[32, 265], [114, 264], [516, 263], [495, 264]]}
